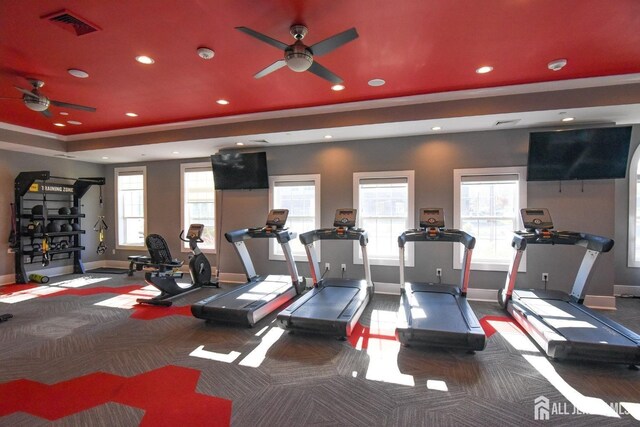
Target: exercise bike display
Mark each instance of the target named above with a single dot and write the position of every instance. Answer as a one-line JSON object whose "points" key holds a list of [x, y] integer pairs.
{"points": [[161, 270]]}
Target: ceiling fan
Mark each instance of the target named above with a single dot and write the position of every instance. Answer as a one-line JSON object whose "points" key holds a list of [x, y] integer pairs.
{"points": [[36, 101], [299, 57]]}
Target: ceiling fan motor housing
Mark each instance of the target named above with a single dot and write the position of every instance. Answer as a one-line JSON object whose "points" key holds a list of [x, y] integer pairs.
{"points": [[298, 57]]}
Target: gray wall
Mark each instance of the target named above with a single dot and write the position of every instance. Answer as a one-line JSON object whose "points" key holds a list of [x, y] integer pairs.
{"points": [[11, 164], [590, 209]]}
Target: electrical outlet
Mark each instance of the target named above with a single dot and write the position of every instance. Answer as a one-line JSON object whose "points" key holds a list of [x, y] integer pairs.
{"points": [[545, 277], [327, 266], [439, 272], [113, 251], [11, 251], [344, 267]]}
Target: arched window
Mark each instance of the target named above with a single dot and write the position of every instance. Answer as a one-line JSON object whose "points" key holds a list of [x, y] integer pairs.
{"points": [[634, 211]]}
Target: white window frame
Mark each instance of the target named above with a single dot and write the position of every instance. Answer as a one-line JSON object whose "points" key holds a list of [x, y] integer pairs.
{"points": [[185, 167], [521, 172], [315, 178], [409, 175], [633, 189], [116, 173]]}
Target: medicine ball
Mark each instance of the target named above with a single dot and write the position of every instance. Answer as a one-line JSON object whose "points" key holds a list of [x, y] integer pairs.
{"points": [[75, 226], [37, 210], [64, 211], [66, 227], [52, 227], [74, 210]]}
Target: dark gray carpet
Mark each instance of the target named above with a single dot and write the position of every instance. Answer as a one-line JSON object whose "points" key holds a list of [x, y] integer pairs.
{"points": [[300, 379]]}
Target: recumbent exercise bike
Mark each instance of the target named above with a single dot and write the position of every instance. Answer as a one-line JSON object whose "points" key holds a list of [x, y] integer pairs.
{"points": [[161, 270]]}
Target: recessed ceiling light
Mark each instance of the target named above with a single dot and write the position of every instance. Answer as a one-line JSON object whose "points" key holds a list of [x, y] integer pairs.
{"points": [[337, 87], [485, 69], [175, 152], [222, 102], [239, 143], [205, 52], [64, 113], [131, 114], [436, 128], [376, 82], [143, 59], [60, 125], [105, 158], [557, 64], [568, 119], [328, 137], [74, 122], [78, 73]]}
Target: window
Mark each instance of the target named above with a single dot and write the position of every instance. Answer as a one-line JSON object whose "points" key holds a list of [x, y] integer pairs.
{"points": [[634, 211], [301, 195], [487, 205], [385, 209], [198, 202], [131, 204]]}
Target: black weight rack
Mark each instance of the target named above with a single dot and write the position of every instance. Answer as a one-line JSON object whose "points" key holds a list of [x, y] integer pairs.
{"points": [[53, 192]]}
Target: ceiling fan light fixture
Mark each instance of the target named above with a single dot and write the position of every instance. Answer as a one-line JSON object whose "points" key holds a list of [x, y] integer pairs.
{"points": [[78, 73], [36, 104], [298, 59]]}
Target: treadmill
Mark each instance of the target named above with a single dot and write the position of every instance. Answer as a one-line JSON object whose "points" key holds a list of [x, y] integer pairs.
{"points": [[436, 314], [558, 322], [334, 305], [249, 303]]}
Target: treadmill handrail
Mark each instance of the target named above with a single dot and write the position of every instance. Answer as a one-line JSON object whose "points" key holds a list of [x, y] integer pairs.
{"points": [[592, 242], [282, 235], [443, 235], [334, 234]]}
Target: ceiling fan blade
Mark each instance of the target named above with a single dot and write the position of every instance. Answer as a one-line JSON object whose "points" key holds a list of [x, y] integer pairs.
{"points": [[271, 68], [323, 72], [334, 42], [273, 42], [27, 92], [46, 113], [75, 106]]}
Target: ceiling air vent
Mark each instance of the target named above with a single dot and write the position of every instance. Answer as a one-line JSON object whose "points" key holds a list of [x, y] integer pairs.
{"points": [[71, 22], [507, 122]]}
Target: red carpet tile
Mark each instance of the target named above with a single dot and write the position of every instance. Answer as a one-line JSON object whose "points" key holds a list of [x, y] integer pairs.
{"points": [[167, 395], [145, 312]]}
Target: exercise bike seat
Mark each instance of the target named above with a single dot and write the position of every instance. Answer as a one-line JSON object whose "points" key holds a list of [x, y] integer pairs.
{"points": [[159, 254]]}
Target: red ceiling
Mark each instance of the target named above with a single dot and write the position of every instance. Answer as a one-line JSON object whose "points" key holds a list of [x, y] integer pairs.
{"points": [[417, 46]]}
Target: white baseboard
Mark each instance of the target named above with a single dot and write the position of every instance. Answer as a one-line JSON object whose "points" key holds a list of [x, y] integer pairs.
{"points": [[602, 302], [51, 271], [387, 288], [626, 290], [486, 295]]}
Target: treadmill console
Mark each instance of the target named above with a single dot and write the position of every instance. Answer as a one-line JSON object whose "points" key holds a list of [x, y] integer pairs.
{"points": [[431, 218], [195, 232], [536, 219], [277, 218], [345, 218]]}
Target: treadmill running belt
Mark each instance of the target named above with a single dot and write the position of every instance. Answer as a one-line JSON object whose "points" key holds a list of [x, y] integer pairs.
{"points": [[328, 304], [436, 312], [574, 324]]}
